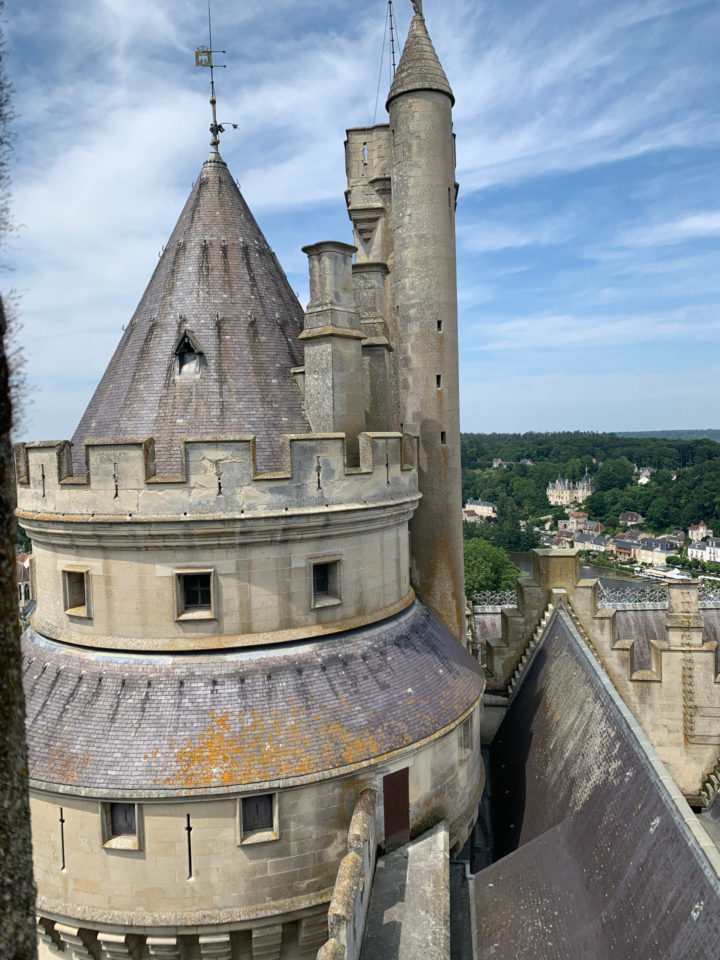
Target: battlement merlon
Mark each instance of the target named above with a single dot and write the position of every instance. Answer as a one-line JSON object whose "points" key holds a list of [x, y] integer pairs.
{"points": [[220, 477], [368, 153]]}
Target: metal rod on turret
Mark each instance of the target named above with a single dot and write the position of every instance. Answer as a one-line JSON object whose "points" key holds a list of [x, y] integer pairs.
{"points": [[392, 37]]}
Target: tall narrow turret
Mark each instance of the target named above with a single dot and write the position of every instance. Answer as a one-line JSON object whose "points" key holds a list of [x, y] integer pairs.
{"points": [[423, 219]]}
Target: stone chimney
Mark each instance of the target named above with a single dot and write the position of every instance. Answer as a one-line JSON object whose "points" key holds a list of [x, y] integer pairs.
{"points": [[334, 391]]}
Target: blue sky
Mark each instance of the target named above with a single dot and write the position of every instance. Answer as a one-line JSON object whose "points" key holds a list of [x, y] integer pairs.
{"points": [[588, 136]]}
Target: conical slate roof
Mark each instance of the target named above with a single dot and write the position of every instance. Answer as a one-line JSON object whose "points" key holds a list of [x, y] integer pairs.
{"points": [[209, 349], [419, 67]]}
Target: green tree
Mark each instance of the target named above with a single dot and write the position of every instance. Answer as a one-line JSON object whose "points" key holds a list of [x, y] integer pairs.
{"points": [[614, 475], [487, 568]]}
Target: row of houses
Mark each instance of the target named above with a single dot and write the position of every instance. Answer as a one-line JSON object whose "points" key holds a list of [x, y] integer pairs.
{"points": [[707, 550], [642, 548]]}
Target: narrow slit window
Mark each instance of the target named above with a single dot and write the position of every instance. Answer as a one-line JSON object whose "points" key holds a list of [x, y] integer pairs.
{"points": [[365, 154], [443, 437], [438, 381], [439, 326]]}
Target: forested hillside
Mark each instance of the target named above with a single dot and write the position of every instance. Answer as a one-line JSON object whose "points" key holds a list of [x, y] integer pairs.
{"points": [[666, 503]]}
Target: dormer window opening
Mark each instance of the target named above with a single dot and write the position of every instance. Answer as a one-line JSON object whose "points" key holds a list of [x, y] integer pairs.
{"points": [[188, 357]]}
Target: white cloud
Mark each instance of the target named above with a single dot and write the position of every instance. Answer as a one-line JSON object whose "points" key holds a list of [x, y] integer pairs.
{"points": [[691, 227], [113, 128], [557, 332]]}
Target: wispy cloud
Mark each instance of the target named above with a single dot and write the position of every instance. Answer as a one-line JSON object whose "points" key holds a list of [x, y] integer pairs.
{"points": [[567, 233], [693, 226], [554, 333]]}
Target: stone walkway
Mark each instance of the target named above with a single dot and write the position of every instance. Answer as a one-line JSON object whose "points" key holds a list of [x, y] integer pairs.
{"points": [[409, 914]]}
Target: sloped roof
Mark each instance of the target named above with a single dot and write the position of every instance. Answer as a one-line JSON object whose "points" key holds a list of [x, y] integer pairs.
{"points": [[601, 856], [158, 725], [218, 281], [419, 67]]}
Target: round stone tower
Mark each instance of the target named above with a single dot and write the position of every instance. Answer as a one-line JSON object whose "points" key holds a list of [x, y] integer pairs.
{"points": [[226, 650], [423, 225]]}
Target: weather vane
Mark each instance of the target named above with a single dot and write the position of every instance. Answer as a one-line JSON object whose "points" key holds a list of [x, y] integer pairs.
{"points": [[204, 58]]}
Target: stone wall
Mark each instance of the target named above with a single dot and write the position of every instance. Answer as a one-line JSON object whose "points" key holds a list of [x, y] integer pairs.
{"points": [[219, 480], [278, 889], [600, 856], [351, 895]]}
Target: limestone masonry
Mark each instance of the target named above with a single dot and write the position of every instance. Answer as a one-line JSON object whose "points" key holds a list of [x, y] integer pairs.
{"points": [[255, 698], [248, 573]]}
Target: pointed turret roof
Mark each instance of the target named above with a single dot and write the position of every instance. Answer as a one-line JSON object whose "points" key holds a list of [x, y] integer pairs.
{"points": [[419, 67], [210, 347]]}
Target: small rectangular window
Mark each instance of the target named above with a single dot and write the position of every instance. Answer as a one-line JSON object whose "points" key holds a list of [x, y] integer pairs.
{"points": [[325, 582], [465, 737], [121, 826], [443, 437], [438, 380], [257, 817], [122, 819], [194, 595], [439, 326], [76, 593]]}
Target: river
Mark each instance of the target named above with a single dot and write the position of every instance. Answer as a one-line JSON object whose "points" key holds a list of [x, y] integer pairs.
{"points": [[587, 570]]}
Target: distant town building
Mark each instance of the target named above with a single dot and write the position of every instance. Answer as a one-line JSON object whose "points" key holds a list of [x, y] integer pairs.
{"points": [[479, 510], [707, 550], [630, 518], [575, 522], [654, 551], [592, 542], [643, 480], [563, 492], [698, 531], [649, 550], [526, 462], [497, 463]]}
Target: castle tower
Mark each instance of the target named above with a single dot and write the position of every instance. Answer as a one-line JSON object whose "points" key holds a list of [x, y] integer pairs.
{"points": [[423, 222], [224, 658]]}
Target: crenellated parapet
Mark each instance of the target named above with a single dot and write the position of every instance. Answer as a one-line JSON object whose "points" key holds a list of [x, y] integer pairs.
{"points": [[220, 477]]}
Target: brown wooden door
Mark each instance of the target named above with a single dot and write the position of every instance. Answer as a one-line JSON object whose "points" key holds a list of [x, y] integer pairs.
{"points": [[396, 800]]}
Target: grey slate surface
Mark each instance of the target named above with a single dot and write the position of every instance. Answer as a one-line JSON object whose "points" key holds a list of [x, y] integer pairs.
{"points": [[219, 279], [419, 67], [200, 723], [598, 860], [644, 626]]}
